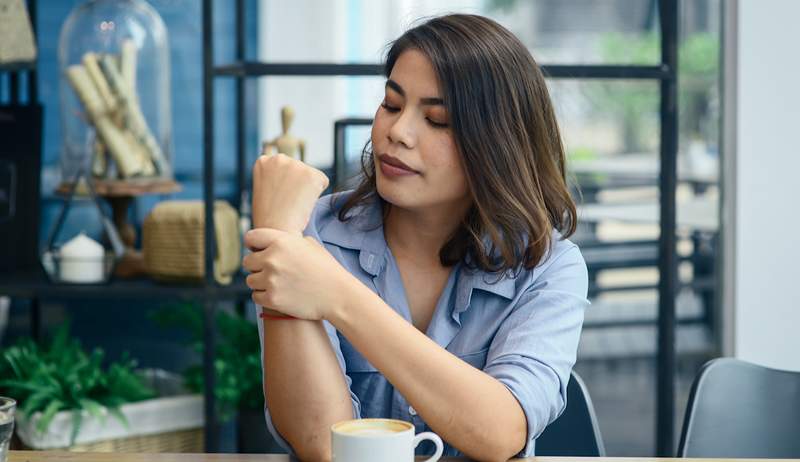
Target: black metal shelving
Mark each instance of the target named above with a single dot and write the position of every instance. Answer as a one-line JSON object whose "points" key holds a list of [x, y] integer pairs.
{"points": [[664, 72], [36, 287]]}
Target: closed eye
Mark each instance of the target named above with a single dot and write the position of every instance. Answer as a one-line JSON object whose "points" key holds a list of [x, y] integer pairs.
{"points": [[389, 108], [436, 124]]}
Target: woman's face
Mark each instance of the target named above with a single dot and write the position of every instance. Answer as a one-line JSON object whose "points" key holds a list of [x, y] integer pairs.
{"points": [[417, 165]]}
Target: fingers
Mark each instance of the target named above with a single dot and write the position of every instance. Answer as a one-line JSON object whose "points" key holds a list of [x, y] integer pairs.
{"points": [[262, 238], [252, 262]]}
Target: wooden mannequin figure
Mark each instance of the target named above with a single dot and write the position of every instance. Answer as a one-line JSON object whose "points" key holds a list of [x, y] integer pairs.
{"points": [[286, 143]]}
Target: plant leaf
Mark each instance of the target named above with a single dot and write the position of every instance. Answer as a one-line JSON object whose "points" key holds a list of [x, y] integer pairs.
{"points": [[77, 420], [47, 416], [117, 412]]}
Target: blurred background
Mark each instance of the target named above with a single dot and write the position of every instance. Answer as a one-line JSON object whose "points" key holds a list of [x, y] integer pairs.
{"points": [[612, 128]]}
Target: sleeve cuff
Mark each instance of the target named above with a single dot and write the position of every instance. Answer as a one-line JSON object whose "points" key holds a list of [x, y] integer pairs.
{"points": [[537, 416]]}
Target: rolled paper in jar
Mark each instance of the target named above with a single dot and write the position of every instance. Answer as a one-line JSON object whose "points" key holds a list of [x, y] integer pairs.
{"points": [[134, 119], [128, 164], [127, 65], [99, 159], [101, 85]]}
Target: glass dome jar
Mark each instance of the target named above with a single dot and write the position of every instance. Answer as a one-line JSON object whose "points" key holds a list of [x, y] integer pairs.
{"points": [[114, 65]]}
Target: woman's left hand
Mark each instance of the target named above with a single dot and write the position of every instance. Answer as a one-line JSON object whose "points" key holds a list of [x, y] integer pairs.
{"points": [[292, 274]]}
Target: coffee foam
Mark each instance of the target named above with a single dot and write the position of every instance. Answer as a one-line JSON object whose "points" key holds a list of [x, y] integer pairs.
{"points": [[371, 427]]}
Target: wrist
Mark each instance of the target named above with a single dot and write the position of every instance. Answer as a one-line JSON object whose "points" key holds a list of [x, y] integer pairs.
{"points": [[282, 225], [345, 306]]}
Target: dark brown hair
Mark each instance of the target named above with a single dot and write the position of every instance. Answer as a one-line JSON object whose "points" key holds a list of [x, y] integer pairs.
{"points": [[506, 132]]}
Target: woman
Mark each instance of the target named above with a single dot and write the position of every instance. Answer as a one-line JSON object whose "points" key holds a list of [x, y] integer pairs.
{"points": [[442, 291]]}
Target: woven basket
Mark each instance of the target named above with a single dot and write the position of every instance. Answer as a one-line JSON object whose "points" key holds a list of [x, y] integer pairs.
{"points": [[184, 441], [173, 241]]}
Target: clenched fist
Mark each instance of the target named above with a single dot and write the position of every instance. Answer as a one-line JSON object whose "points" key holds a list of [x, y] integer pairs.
{"points": [[284, 193]]}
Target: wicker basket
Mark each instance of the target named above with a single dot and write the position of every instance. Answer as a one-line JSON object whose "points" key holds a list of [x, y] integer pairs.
{"points": [[173, 422], [184, 441], [173, 241]]}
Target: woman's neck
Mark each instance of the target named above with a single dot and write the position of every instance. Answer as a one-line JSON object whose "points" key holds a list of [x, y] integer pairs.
{"points": [[420, 234]]}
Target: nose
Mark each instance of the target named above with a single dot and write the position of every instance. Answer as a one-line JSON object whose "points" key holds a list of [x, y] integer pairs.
{"points": [[402, 130]]}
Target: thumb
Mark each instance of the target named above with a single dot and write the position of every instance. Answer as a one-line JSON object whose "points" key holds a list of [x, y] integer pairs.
{"points": [[262, 238]]}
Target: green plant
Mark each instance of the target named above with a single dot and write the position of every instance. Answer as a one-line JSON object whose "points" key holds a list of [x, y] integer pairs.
{"points": [[635, 104], [61, 376], [237, 363]]}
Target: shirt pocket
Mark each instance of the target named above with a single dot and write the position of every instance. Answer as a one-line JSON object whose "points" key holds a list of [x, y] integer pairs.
{"points": [[476, 360]]}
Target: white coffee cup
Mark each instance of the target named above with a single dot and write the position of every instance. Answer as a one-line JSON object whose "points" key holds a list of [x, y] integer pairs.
{"points": [[378, 440]]}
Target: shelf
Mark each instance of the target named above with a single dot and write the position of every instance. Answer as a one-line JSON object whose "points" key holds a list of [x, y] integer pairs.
{"points": [[29, 285], [18, 66], [259, 69]]}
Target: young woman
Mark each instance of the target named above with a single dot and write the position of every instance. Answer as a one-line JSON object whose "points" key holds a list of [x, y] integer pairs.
{"points": [[442, 291]]}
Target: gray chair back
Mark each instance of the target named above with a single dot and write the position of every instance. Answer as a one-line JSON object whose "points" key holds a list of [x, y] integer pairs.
{"points": [[737, 409], [576, 432]]}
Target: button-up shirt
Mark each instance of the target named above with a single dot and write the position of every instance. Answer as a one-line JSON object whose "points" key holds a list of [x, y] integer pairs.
{"points": [[521, 329]]}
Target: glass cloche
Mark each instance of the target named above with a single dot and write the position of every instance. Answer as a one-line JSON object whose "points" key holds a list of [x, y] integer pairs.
{"points": [[115, 92]]}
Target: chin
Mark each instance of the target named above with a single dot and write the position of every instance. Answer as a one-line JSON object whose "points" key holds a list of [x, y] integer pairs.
{"points": [[391, 194]]}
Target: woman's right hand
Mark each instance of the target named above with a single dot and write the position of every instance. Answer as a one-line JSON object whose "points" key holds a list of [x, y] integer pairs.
{"points": [[285, 191]]}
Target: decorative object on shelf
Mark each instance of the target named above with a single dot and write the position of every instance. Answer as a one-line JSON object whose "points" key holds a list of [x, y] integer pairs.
{"points": [[173, 241], [120, 195], [115, 96], [286, 143], [81, 260], [17, 45], [20, 172], [69, 400]]}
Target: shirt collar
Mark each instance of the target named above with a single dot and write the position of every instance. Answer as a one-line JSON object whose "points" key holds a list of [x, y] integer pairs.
{"points": [[470, 279], [363, 231]]}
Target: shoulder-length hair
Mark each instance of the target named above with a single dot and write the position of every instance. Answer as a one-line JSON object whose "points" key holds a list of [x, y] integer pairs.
{"points": [[505, 129]]}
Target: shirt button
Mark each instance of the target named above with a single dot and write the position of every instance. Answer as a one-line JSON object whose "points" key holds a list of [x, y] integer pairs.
{"points": [[412, 411]]}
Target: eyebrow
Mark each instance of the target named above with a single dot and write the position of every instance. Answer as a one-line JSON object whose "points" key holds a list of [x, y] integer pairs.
{"points": [[426, 101]]}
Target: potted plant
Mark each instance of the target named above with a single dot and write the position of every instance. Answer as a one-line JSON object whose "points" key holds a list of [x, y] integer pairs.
{"points": [[66, 396], [237, 364]]}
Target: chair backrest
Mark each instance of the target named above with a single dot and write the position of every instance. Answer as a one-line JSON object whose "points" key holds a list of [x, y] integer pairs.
{"points": [[575, 433], [737, 409]]}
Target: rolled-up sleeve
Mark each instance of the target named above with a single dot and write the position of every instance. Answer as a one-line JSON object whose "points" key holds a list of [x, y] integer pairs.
{"points": [[534, 350]]}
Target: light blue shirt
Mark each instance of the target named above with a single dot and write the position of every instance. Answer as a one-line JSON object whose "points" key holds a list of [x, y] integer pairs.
{"points": [[522, 331]]}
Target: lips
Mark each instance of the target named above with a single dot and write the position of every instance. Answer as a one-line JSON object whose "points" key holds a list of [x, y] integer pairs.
{"points": [[395, 165]]}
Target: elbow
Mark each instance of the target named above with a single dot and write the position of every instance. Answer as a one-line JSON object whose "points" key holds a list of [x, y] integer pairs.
{"points": [[311, 448], [498, 445], [503, 450], [316, 454]]}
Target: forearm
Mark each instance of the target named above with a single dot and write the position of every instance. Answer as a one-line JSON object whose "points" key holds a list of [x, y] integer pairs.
{"points": [[468, 408], [303, 385]]}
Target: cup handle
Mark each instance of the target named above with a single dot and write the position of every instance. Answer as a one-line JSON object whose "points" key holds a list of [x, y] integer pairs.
{"points": [[436, 440]]}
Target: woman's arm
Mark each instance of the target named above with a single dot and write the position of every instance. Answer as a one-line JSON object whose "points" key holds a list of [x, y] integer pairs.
{"points": [[304, 386], [465, 406], [489, 415], [471, 410]]}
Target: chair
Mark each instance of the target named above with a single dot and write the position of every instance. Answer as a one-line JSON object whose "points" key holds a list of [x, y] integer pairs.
{"points": [[575, 433], [738, 409]]}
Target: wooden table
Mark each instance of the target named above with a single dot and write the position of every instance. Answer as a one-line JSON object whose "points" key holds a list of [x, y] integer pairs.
{"points": [[46, 456]]}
